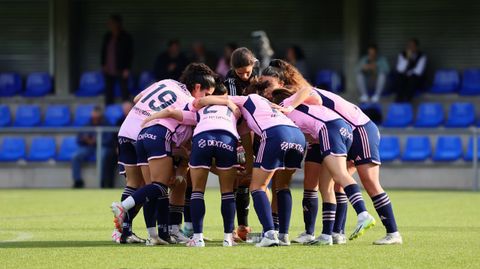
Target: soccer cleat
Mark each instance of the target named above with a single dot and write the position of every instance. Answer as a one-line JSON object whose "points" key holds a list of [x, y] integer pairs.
{"points": [[188, 232], [339, 239], [116, 235], [284, 240], [322, 240], [269, 240], [243, 231], [195, 243], [304, 238], [390, 239], [132, 239], [362, 225], [154, 241], [119, 214], [118, 227], [179, 237]]}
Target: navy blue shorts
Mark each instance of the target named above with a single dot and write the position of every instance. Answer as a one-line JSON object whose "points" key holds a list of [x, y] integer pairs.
{"points": [[153, 142], [366, 140], [281, 147], [127, 154], [217, 144], [335, 138], [121, 170], [313, 153]]}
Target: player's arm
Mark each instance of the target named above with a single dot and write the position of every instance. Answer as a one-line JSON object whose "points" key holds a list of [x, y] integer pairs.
{"points": [[216, 100], [166, 113], [305, 95], [137, 98]]}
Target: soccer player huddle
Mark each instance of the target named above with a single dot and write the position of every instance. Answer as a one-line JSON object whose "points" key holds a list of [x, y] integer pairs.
{"points": [[253, 131]]}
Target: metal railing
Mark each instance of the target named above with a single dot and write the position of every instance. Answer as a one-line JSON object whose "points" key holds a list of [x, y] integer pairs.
{"points": [[384, 131]]}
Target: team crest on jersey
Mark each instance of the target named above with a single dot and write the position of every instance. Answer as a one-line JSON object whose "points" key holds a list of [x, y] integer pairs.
{"points": [[202, 143]]}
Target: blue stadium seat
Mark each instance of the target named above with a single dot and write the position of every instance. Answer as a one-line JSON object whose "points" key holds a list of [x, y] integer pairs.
{"points": [[461, 115], [469, 153], [5, 116], [445, 81], [67, 148], [113, 113], [399, 115], [132, 89], [42, 149], [83, 114], [417, 149], [10, 84], [429, 115], [389, 148], [448, 148], [91, 84], [146, 79], [27, 116], [329, 79], [38, 84], [12, 149], [470, 82], [57, 116]]}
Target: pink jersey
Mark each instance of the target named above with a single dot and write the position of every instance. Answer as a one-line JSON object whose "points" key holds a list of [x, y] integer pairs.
{"points": [[214, 117], [310, 118], [182, 135], [348, 111], [160, 95], [259, 114]]}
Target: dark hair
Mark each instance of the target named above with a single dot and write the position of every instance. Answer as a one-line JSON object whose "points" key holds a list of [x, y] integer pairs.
{"points": [[289, 74], [198, 73], [280, 94], [257, 86], [242, 57], [299, 54], [372, 46], [233, 46], [117, 18], [415, 40], [275, 72], [173, 41], [220, 89]]}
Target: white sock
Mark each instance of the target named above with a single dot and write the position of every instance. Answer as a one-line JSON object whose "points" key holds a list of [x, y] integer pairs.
{"points": [[270, 234], [128, 203], [152, 232], [174, 228], [188, 225], [198, 236], [394, 234], [325, 236], [227, 236]]}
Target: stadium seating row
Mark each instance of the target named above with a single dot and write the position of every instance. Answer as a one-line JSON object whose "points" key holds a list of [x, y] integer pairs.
{"points": [[55, 115], [40, 84], [42, 149], [418, 149], [432, 115], [448, 81]]}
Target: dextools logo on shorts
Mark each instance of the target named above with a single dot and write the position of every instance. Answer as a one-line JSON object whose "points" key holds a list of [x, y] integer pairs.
{"points": [[214, 143], [147, 136], [202, 143], [345, 133], [286, 146]]}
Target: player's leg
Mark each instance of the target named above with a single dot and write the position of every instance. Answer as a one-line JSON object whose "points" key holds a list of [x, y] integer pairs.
{"points": [[274, 201], [197, 205], [228, 204], [187, 226], [338, 234], [284, 203], [176, 206]]}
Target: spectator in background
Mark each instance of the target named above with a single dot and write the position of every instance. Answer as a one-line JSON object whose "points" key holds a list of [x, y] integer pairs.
{"points": [[171, 63], [296, 57], [202, 55], [223, 65], [410, 69], [372, 71], [117, 56], [87, 143]]}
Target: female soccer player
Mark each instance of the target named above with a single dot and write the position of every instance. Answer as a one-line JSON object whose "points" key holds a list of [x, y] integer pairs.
{"points": [[364, 151], [154, 142], [244, 68], [281, 149], [334, 137], [215, 138]]}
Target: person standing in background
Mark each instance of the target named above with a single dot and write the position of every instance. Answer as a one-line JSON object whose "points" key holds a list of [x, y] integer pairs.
{"points": [[223, 65], [171, 63], [372, 69], [296, 57], [201, 55], [411, 65], [117, 57]]}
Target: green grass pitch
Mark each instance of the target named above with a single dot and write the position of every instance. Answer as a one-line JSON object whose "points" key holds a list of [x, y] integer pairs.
{"points": [[71, 229]]}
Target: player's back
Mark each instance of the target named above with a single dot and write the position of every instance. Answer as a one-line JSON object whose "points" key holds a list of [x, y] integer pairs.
{"points": [[350, 112], [259, 114], [216, 117]]}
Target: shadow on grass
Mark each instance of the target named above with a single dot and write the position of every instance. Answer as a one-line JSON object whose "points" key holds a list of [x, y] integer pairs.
{"points": [[84, 244]]}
